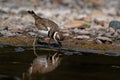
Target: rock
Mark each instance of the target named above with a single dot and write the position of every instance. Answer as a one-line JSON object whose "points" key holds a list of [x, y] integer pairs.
{"points": [[31, 33], [118, 31], [98, 22], [16, 7], [7, 24], [83, 37], [2, 11], [88, 18], [66, 34], [104, 39], [118, 37], [103, 23], [1, 35], [6, 33], [81, 16], [74, 24], [57, 1], [99, 15], [83, 32], [111, 30], [98, 19], [99, 41], [27, 18], [34, 2], [4, 27], [115, 24], [110, 11], [96, 2], [108, 34], [116, 43]]}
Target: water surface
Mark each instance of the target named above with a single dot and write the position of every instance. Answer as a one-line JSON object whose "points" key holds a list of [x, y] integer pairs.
{"points": [[73, 65]]}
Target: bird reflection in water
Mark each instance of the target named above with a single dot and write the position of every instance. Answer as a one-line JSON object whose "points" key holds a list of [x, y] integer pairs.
{"points": [[44, 63]]}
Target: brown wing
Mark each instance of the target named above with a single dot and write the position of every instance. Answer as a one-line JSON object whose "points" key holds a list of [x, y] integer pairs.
{"points": [[40, 24], [50, 24], [43, 24]]}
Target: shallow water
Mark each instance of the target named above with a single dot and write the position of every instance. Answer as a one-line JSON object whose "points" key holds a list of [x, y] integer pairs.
{"points": [[73, 65]]}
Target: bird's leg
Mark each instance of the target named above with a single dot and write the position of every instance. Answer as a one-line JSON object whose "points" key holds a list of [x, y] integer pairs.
{"points": [[60, 45], [49, 42], [54, 58], [34, 42]]}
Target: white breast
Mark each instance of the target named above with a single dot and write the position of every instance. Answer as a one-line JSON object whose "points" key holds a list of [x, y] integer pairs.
{"points": [[43, 33]]}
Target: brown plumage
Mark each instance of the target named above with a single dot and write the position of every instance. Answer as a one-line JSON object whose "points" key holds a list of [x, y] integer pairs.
{"points": [[43, 23], [46, 24]]}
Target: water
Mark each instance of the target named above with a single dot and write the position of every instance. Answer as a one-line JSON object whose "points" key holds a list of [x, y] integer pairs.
{"points": [[53, 65]]}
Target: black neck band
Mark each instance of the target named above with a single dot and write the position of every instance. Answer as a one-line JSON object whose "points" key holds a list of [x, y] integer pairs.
{"points": [[51, 36]]}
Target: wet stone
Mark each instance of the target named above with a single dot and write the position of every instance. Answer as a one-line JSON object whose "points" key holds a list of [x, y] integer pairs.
{"points": [[115, 24]]}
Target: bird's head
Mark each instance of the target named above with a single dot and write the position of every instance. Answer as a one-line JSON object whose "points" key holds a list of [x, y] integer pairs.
{"points": [[59, 36], [32, 13]]}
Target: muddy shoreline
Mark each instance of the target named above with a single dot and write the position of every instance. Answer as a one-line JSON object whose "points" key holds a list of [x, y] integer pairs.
{"points": [[72, 45]]}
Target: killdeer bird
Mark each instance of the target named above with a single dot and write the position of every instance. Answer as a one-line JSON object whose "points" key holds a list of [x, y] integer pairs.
{"points": [[50, 26]]}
